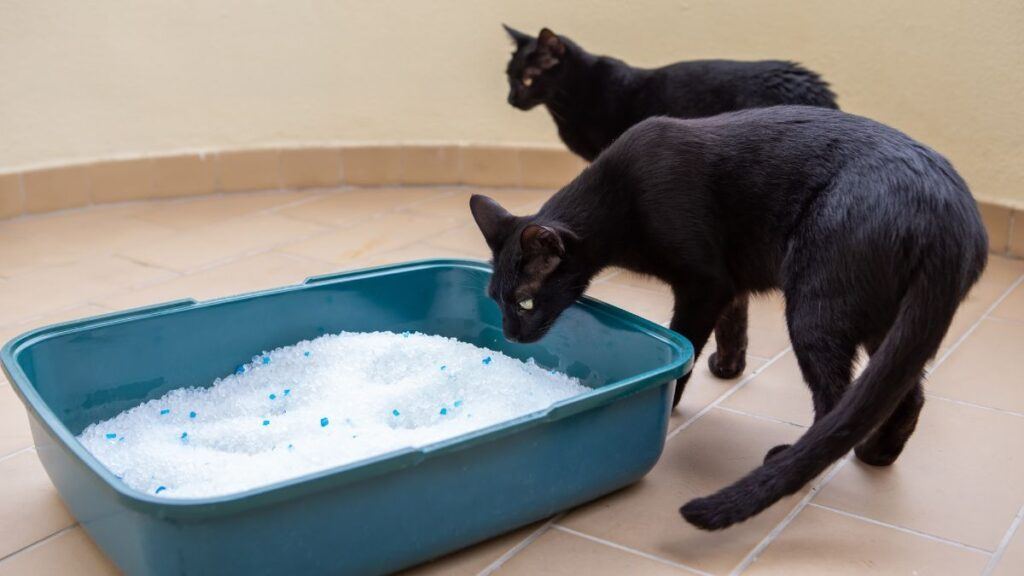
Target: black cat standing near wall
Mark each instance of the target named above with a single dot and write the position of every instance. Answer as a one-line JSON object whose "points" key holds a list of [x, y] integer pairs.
{"points": [[594, 99], [873, 238]]}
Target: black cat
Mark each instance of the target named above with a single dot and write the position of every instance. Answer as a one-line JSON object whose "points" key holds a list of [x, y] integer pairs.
{"points": [[594, 99], [873, 238]]}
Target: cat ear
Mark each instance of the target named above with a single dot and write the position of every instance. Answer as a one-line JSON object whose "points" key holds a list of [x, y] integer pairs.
{"points": [[550, 47], [494, 221], [520, 38], [542, 240], [543, 250]]}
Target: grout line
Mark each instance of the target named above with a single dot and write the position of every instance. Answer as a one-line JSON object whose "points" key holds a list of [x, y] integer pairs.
{"points": [[10, 455], [952, 348], [973, 405], [725, 395], [997, 556], [1004, 319], [904, 529], [497, 564], [762, 417], [38, 543], [754, 554], [629, 550]]}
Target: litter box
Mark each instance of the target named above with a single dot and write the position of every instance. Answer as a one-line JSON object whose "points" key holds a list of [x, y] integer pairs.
{"points": [[370, 517]]}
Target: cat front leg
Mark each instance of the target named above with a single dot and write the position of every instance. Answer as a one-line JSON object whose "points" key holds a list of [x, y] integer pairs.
{"points": [[695, 316], [730, 359]]}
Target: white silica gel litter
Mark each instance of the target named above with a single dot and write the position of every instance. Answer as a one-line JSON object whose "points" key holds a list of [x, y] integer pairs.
{"points": [[315, 405]]}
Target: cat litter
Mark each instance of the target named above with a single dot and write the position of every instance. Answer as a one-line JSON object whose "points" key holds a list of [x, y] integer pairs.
{"points": [[315, 405]]}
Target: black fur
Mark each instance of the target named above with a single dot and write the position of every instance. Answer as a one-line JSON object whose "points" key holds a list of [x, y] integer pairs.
{"points": [[873, 238], [594, 99]]}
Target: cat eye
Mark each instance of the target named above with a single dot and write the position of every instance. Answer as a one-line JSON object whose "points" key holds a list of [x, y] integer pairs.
{"points": [[527, 81], [526, 304]]}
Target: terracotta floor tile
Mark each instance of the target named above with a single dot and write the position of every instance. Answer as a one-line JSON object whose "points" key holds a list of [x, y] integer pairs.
{"points": [[819, 542], [471, 561], [457, 204], [653, 305], [14, 432], [466, 238], [961, 477], [209, 244], [635, 280], [70, 552], [1013, 307], [407, 254], [268, 270], [778, 392], [44, 290], [1012, 562], [560, 553], [347, 207], [194, 212], [66, 238], [1000, 274], [704, 388], [713, 452], [30, 509], [767, 326], [368, 238], [985, 368]]}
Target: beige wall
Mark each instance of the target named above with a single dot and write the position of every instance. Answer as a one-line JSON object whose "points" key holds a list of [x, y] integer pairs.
{"points": [[84, 80]]}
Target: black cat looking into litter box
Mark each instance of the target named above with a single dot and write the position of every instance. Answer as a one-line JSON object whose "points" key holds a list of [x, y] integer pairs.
{"points": [[872, 237]]}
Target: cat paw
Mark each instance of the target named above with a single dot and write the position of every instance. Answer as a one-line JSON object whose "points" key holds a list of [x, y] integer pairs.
{"points": [[704, 513], [726, 370], [775, 452]]}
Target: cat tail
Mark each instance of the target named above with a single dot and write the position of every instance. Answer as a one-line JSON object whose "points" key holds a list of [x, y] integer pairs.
{"points": [[923, 316]]}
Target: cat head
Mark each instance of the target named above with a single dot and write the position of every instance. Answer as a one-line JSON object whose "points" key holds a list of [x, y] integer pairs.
{"points": [[535, 67], [538, 269]]}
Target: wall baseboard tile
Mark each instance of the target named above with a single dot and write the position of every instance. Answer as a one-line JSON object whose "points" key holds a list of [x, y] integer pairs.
{"points": [[319, 166]]}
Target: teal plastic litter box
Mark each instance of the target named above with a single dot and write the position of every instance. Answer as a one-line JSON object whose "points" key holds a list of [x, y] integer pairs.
{"points": [[374, 516]]}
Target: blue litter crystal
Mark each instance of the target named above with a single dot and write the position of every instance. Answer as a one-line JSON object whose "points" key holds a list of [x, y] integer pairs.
{"points": [[324, 422], [111, 435], [443, 367], [306, 353], [395, 412], [165, 411], [405, 334], [290, 447], [265, 359], [287, 391], [160, 489], [192, 414], [458, 403], [444, 411], [240, 369], [184, 435], [487, 360], [273, 396], [266, 422]]}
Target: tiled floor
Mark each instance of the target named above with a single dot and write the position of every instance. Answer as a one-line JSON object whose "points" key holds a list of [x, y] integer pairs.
{"points": [[951, 505]]}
